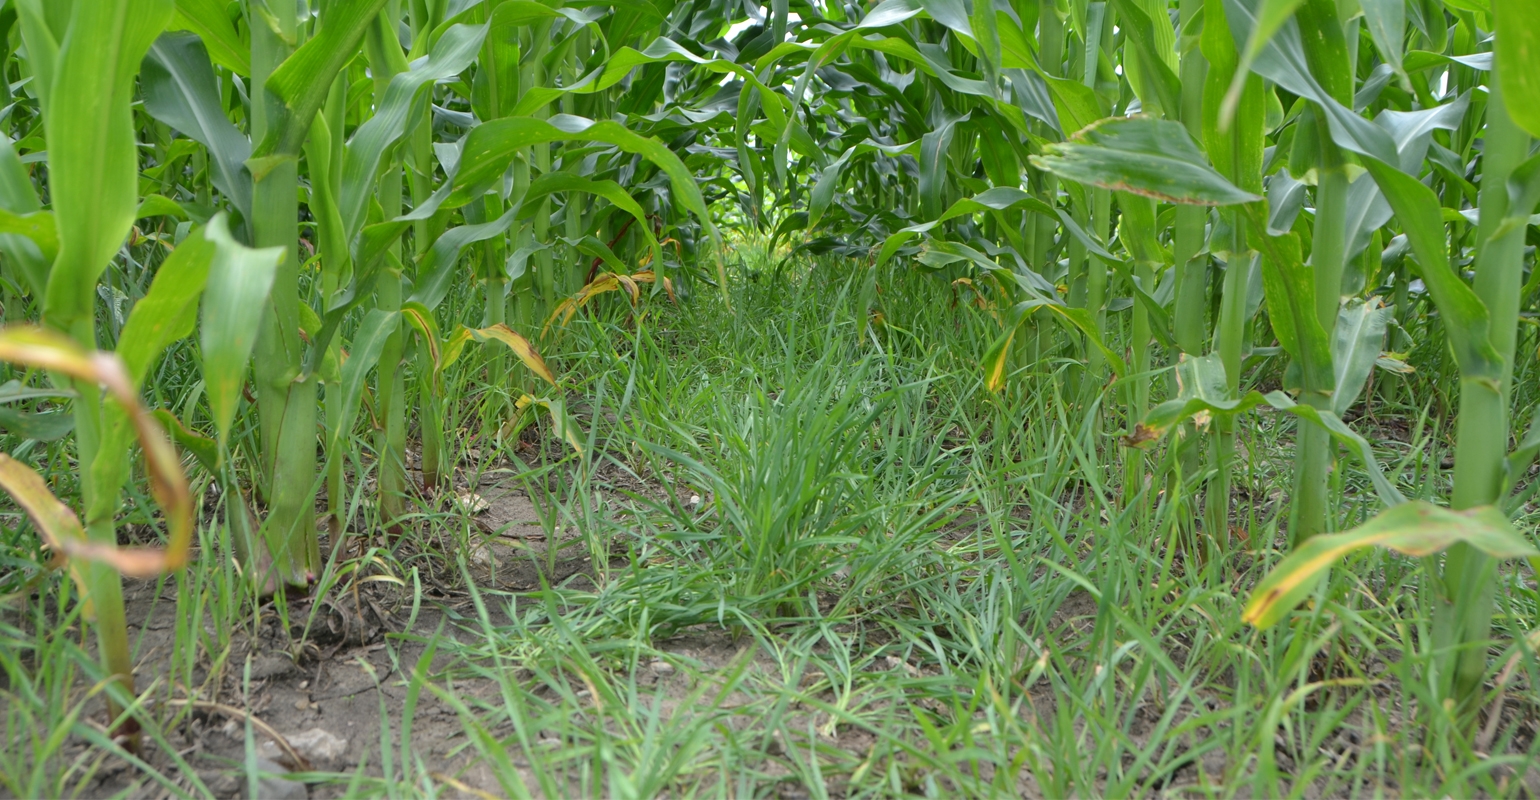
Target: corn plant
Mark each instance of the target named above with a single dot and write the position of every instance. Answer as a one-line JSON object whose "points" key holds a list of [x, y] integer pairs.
{"points": [[1189, 221]]}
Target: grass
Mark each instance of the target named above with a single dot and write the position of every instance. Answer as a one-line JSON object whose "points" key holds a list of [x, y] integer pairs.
{"points": [[894, 583]]}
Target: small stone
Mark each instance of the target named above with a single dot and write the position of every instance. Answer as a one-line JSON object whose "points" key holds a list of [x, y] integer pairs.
{"points": [[662, 667], [323, 749], [319, 746], [471, 503]]}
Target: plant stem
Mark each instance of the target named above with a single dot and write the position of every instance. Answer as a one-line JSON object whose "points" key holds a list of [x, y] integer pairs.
{"points": [[285, 404], [1465, 618], [1328, 257], [386, 61]]}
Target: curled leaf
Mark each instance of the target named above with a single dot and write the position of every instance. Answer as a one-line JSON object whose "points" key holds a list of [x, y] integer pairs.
{"points": [[61, 529], [603, 282], [1415, 528], [35, 347], [520, 346], [556, 409]]}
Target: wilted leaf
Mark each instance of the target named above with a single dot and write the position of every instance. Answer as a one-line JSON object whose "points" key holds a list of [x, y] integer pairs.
{"points": [[61, 529], [35, 347], [1415, 528], [519, 345], [556, 409]]}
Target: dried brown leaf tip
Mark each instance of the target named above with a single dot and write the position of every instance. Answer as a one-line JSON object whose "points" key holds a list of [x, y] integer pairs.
{"points": [[1141, 436]]}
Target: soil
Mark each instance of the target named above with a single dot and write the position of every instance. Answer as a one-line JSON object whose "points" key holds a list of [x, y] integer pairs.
{"points": [[320, 706], [327, 701], [328, 705]]}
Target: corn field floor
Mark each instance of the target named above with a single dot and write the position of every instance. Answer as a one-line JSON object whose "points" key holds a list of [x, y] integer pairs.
{"points": [[806, 554]]}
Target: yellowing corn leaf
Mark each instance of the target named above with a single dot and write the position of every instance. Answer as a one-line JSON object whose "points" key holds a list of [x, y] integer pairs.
{"points": [[520, 346], [1416, 528], [421, 319], [603, 282], [560, 422], [61, 529], [35, 347]]}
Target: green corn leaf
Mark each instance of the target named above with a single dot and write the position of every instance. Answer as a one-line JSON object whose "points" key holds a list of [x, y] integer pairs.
{"points": [[554, 182], [891, 12], [208, 19], [1154, 56], [593, 248], [1517, 47], [374, 139], [180, 90], [1200, 405], [1290, 289], [361, 289], [1282, 59], [1428, 16], [169, 310], [1465, 317], [1418, 60], [1075, 319], [950, 13], [1143, 156], [1386, 21], [1416, 528], [1412, 131], [38, 228], [1324, 46], [496, 86], [377, 326], [30, 249], [490, 148], [155, 205], [303, 79], [1000, 198], [12, 391], [1202, 389], [1076, 104], [1356, 345], [42, 26], [233, 302], [1523, 196], [43, 427], [204, 449], [93, 166], [1345, 436], [436, 269], [662, 50], [934, 167], [1270, 16], [17, 194]]}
